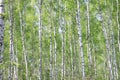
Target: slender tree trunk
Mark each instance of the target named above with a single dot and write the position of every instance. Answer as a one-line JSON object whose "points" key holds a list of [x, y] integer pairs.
{"points": [[74, 58], [40, 38], [108, 49], [23, 41], [80, 40], [61, 18], [63, 57], [94, 60], [1, 36], [71, 56], [51, 46], [118, 24], [114, 58], [16, 60], [55, 54], [113, 50], [11, 71], [88, 41], [51, 55]]}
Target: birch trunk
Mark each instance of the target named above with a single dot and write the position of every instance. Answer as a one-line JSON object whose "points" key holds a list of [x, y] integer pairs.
{"points": [[108, 48], [108, 51], [118, 24], [55, 54], [16, 60], [61, 18], [11, 71], [23, 41], [51, 46], [51, 55], [107, 41], [113, 50], [1, 36], [40, 38], [80, 39], [63, 57], [71, 58], [94, 60], [114, 58], [88, 41]]}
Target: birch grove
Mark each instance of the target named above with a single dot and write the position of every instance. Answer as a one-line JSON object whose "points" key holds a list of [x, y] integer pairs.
{"points": [[59, 39]]}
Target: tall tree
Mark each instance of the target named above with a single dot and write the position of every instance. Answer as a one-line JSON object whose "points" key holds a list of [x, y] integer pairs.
{"points": [[51, 41], [80, 39], [88, 40], [62, 27], [40, 37], [118, 24], [55, 53], [12, 58], [1, 36], [22, 25], [107, 41]]}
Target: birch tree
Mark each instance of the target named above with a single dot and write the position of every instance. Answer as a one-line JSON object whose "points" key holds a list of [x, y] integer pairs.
{"points": [[105, 33], [1, 36], [118, 24], [40, 37], [51, 42], [22, 25], [12, 58], [88, 40], [112, 42], [80, 39], [55, 54], [62, 27]]}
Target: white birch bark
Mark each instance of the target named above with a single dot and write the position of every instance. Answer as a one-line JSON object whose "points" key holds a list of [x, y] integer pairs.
{"points": [[113, 50], [40, 38], [51, 55], [1, 35], [51, 46], [74, 58], [71, 58], [107, 47], [107, 41], [108, 50], [115, 69], [118, 24], [62, 23], [23, 40], [94, 61], [80, 40], [16, 60], [63, 56], [88, 41], [55, 54], [11, 70]]}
